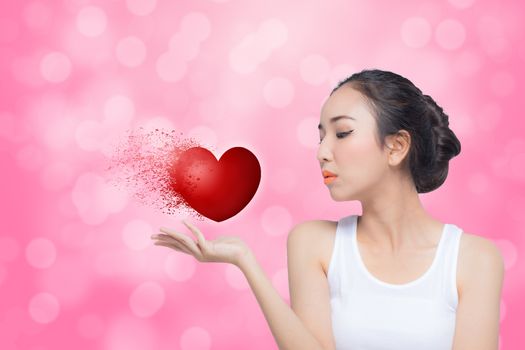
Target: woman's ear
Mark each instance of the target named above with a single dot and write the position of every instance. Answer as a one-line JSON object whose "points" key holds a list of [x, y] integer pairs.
{"points": [[398, 146]]}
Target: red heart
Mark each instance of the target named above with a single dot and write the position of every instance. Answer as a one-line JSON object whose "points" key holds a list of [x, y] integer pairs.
{"points": [[216, 189]]}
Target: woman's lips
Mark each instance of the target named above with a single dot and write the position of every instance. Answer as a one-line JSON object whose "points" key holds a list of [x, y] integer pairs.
{"points": [[328, 176], [329, 179]]}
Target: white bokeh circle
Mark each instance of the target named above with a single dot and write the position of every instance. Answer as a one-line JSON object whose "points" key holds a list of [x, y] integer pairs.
{"points": [[195, 338], [44, 308], [91, 21], [40, 253], [55, 67]]}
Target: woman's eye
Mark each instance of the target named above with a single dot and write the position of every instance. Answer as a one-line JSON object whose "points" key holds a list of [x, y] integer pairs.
{"points": [[340, 135], [343, 133]]}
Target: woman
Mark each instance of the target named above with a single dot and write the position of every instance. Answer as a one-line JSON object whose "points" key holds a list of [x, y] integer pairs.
{"points": [[394, 277]]}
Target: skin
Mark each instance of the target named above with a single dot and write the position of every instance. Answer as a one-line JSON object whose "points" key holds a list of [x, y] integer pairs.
{"points": [[226, 249]]}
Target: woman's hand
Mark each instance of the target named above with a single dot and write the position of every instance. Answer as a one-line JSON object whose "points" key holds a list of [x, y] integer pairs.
{"points": [[229, 249]]}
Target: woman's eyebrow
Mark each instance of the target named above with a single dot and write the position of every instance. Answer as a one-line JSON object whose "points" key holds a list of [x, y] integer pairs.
{"points": [[334, 119]]}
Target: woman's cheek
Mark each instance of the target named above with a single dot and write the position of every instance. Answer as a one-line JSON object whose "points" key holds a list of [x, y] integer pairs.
{"points": [[362, 161]]}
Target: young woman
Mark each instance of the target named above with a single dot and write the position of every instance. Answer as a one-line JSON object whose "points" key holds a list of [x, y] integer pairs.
{"points": [[394, 277]]}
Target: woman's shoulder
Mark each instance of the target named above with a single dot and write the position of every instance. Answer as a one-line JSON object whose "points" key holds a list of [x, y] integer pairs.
{"points": [[319, 236], [474, 252], [314, 230], [474, 247], [314, 225]]}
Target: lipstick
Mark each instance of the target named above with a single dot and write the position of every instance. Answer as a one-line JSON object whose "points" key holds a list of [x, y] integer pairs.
{"points": [[329, 177]]}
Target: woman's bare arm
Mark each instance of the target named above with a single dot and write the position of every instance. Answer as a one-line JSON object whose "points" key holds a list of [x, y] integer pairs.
{"points": [[478, 314], [287, 328]]}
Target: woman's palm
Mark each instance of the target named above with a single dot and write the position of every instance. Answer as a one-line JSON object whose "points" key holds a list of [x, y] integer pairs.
{"points": [[229, 249]]}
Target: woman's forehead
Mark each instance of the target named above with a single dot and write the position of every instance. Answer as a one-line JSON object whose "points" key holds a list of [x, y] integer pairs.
{"points": [[349, 102]]}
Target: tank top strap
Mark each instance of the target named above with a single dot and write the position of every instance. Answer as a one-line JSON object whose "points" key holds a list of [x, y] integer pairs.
{"points": [[338, 267], [449, 263]]}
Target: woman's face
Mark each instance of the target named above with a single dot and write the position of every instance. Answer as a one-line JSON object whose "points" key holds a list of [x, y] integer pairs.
{"points": [[348, 147]]}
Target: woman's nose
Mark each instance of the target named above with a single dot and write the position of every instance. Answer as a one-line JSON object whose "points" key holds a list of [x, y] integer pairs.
{"points": [[323, 154]]}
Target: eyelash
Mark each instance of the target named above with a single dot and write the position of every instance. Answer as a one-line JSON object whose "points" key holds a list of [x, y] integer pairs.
{"points": [[340, 133]]}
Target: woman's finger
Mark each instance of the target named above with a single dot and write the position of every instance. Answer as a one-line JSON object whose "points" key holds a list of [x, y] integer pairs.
{"points": [[190, 248], [173, 246], [189, 244], [196, 232], [171, 240], [181, 237]]}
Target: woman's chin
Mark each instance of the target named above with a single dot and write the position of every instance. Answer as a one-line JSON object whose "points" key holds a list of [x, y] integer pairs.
{"points": [[337, 196]]}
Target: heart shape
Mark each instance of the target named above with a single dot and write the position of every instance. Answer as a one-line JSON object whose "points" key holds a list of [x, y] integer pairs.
{"points": [[216, 189]]}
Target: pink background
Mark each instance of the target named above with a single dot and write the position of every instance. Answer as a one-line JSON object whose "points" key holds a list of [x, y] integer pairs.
{"points": [[77, 266]]}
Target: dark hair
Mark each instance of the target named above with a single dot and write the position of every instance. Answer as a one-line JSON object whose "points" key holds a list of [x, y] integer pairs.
{"points": [[399, 104]]}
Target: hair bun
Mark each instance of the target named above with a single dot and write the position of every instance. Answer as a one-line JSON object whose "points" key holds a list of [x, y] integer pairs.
{"points": [[445, 141]]}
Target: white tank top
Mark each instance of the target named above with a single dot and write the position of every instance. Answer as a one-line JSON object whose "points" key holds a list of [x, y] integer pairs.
{"points": [[369, 314]]}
